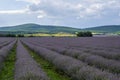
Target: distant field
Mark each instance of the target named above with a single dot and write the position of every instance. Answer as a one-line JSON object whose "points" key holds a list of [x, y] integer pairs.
{"points": [[60, 58], [56, 34]]}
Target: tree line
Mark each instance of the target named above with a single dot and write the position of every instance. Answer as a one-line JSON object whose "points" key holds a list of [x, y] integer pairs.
{"points": [[78, 34], [11, 35]]}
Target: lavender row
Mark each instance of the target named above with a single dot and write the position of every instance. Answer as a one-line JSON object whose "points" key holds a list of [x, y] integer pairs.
{"points": [[106, 54], [5, 43], [5, 51], [26, 68], [94, 42], [94, 60], [73, 67], [110, 54], [102, 53]]}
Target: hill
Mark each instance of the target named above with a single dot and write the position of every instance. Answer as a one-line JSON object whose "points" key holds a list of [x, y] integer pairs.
{"points": [[34, 28], [105, 29]]}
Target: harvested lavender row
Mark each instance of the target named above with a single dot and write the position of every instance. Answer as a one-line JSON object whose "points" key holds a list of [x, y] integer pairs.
{"points": [[26, 68], [91, 59], [74, 68], [5, 51]]}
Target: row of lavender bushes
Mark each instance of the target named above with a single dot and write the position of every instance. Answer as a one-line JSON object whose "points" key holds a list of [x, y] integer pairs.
{"points": [[73, 67], [104, 43], [91, 59], [109, 54], [25, 67], [5, 43], [4, 51]]}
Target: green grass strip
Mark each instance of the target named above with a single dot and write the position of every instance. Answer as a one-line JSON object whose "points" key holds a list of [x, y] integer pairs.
{"points": [[7, 72], [50, 70]]}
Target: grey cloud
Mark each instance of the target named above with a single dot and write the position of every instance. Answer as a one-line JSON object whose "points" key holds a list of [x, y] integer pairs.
{"points": [[84, 8]]}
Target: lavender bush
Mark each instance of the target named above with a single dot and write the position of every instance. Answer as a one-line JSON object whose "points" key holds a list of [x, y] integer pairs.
{"points": [[26, 68], [5, 51], [74, 68], [98, 61], [94, 60]]}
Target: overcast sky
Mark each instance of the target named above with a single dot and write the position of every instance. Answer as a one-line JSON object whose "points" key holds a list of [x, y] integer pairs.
{"points": [[73, 13]]}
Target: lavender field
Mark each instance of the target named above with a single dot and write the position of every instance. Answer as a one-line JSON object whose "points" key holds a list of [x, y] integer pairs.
{"points": [[60, 58]]}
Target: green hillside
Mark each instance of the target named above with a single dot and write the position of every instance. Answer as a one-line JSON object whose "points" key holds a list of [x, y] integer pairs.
{"points": [[105, 29], [35, 28], [32, 28]]}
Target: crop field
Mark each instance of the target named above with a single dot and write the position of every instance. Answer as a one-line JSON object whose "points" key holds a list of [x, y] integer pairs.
{"points": [[60, 58]]}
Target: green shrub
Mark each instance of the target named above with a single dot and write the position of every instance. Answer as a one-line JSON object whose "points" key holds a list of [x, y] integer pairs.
{"points": [[84, 34], [20, 35]]}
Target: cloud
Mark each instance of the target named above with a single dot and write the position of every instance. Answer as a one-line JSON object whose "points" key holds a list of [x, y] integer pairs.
{"points": [[31, 1], [69, 9], [41, 15], [81, 9], [13, 11]]}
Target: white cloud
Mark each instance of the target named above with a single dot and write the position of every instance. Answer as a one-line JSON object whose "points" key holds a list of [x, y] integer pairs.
{"points": [[64, 8], [13, 11], [41, 14], [83, 8], [31, 1], [92, 11], [78, 8]]}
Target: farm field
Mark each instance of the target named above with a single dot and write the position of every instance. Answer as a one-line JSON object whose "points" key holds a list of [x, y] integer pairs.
{"points": [[60, 58]]}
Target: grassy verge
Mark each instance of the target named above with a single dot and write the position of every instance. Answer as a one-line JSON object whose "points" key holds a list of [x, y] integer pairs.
{"points": [[51, 71], [7, 72]]}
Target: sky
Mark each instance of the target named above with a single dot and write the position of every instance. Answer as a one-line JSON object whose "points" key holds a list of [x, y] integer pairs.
{"points": [[72, 13]]}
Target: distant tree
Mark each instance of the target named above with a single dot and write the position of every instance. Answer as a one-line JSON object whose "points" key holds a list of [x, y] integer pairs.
{"points": [[52, 36], [10, 35], [2, 35], [20, 35], [7, 35], [84, 34]]}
